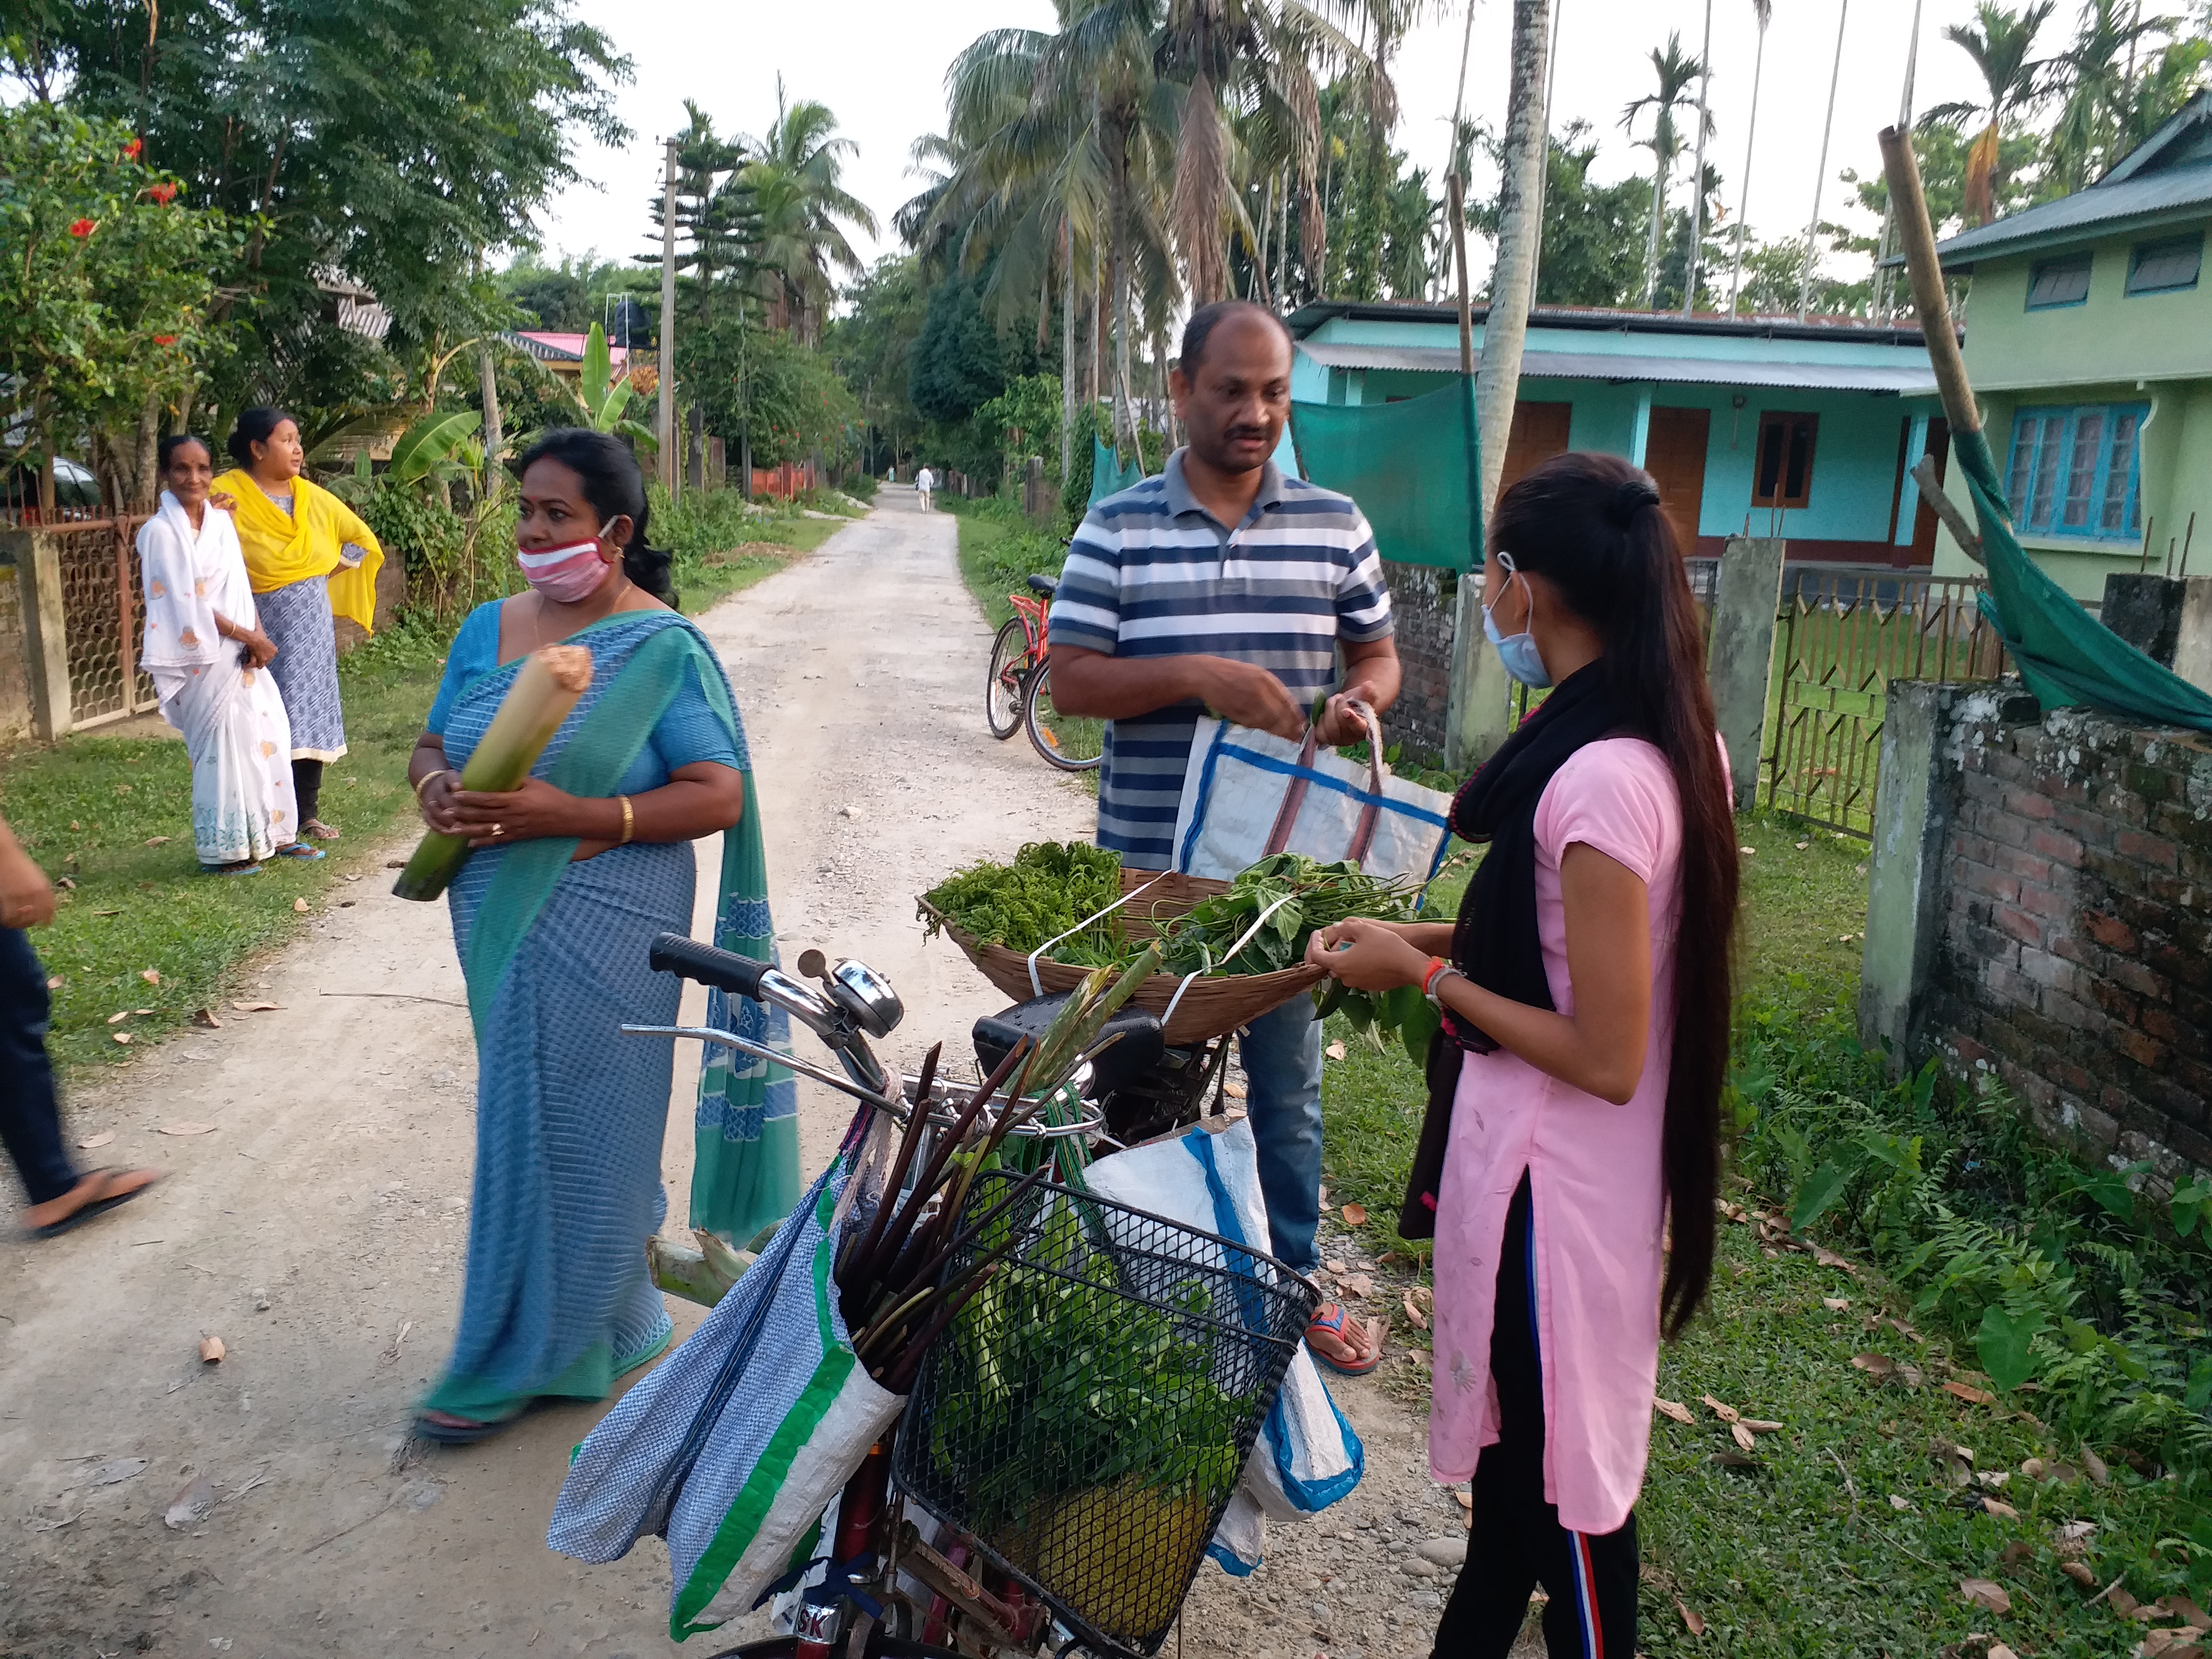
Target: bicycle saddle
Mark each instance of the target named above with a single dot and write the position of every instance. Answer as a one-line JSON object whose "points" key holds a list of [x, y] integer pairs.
{"points": [[1047, 585]]}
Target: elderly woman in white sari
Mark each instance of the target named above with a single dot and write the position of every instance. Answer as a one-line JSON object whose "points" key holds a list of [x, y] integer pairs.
{"points": [[208, 659]]}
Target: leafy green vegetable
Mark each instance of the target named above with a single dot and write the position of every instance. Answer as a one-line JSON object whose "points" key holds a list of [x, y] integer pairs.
{"points": [[1050, 887]]}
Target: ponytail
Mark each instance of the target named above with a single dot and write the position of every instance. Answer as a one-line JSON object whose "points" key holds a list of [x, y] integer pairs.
{"points": [[1592, 524]]}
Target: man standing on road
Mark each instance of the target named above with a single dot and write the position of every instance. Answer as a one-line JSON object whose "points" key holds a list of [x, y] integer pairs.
{"points": [[30, 1118], [925, 481], [1223, 585]]}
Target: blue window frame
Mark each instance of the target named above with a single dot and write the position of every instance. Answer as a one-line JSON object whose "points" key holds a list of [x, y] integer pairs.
{"points": [[2075, 471], [2055, 283], [2166, 267]]}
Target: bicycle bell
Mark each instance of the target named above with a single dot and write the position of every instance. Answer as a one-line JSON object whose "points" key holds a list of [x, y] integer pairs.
{"points": [[865, 994]]}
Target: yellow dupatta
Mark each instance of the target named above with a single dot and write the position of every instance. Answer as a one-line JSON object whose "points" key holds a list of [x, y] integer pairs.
{"points": [[284, 547]]}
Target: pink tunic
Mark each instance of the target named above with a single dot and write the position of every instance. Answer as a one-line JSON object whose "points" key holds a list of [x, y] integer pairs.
{"points": [[1594, 1180]]}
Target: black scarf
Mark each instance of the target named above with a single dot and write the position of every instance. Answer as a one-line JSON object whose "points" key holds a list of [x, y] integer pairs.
{"points": [[1496, 944]]}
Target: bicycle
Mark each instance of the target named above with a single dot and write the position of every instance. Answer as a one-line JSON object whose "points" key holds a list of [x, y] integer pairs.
{"points": [[1017, 691]]}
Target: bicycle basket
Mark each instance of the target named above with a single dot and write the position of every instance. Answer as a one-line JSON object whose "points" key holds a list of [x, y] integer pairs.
{"points": [[1088, 1415]]}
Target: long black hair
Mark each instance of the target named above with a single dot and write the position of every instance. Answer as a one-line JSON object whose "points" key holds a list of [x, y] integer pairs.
{"points": [[1592, 525], [615, 488], [254, 426]]}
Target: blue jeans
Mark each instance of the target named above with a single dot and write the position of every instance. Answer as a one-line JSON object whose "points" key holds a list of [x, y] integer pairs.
{"points": [[30, 1117], [1281, 1055]]}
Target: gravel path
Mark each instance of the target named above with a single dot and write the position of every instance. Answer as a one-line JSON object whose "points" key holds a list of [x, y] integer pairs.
{"points": [[317, 1221]]}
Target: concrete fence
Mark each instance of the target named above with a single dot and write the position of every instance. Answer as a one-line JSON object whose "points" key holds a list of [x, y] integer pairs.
{"points": [[2040, 915]]}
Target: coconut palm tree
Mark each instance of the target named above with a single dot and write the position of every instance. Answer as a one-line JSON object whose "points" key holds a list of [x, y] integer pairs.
{"points": [[1999, 42], [1675, 74], [796, 183], [1765, 11]]}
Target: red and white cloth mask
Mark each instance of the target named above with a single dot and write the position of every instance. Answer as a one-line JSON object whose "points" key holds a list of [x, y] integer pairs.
{"points": [[566, 575]]}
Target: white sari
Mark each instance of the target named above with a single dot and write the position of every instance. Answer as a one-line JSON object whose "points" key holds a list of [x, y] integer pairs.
{"points": [[232, 716]]}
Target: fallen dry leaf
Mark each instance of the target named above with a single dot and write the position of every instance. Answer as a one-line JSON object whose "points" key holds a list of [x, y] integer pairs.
{"points": [[1690, 1622], [1972, 1396], [100, 1139], [1900, 1505], [2079, 1573], [2003, 1511], [1360, 1284], [395, 864], [1999, 1650], [1355, 1215], [1730, 1458], [1985, 1593], [1876, 1364], [2123, 1603], [118, 1017], [1674, 1408], [1762, 1425], [1414, 1312], [157, 841], [2094, 1465], [1466, 1501], [1830, 1259], [107, 913], [55, 983], [1726, 1413], [255, 1007], [2172, 1642], [1835, 1304], [301, 905], [206, 1020], [1334, 1051], [1743, 1436], [190, 1507], [210, 1350], [2181, 1607], [1337, 1269], [142, 1011], [184, 1128], [152, 976]]}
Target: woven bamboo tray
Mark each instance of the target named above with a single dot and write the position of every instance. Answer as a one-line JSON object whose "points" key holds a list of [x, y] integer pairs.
{"points": [[1212, 1007]]}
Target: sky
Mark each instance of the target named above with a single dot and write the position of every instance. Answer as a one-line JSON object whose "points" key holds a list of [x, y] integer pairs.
{"points": [[880, 66]]}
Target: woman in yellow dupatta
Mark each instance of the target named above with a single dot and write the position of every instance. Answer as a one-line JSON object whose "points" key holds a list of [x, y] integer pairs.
{"points": [[307, 556]]}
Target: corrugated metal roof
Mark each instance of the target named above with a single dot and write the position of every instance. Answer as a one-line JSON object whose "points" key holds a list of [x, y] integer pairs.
{"points": [[1616, 320], [1906, 378], [2168, 177]]}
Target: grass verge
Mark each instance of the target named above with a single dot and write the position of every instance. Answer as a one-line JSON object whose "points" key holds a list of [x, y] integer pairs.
{"points": [[113, 814], [1855, 1525]]}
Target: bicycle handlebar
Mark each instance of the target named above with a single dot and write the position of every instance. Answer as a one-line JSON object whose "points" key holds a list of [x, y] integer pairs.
{"points": [[672, 953]]}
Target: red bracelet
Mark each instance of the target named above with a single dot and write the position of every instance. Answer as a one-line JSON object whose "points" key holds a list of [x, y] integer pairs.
{"points": [[1437, 965]]}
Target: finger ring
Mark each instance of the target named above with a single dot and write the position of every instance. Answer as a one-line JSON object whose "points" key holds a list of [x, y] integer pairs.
{"points": [[496, 829]]}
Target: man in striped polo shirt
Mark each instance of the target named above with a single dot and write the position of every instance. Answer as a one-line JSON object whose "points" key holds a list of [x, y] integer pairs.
{"points": [[1224, 585]]}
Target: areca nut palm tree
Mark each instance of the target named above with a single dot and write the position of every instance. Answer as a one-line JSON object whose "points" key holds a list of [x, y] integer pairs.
{"points": [[2095, 79], [1676, 73], [796, 181], [2000, 42]]}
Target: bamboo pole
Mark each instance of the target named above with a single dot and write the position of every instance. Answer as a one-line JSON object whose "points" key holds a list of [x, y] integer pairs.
{"points": [[1917, 236]]}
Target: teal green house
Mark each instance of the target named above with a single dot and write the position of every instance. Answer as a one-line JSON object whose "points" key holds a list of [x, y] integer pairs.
{"points": [[2088, 339], [1759, 425]]}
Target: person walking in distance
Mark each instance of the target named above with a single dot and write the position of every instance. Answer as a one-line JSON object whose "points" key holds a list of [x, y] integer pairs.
{"points": [[30, 1113], [1571, 1157], [1223, 585], [925, 482]]}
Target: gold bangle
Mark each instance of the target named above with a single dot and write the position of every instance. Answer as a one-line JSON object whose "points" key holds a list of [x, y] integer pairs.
{"points": [[629, 821], [424, 782]]}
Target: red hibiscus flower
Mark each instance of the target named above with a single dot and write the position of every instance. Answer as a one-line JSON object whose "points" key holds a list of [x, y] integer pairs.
{"points": [[82, 227], [130, 151], [165, 339], [164, 194]]}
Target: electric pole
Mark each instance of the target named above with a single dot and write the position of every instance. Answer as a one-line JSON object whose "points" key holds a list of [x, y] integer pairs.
{"points": [[670, 473]]}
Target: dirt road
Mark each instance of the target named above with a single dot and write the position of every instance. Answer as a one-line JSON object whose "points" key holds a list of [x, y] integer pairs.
{"points": [[315, 1218]]}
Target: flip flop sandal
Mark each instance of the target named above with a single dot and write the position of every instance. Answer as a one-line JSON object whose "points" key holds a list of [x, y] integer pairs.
{"points": [[230, 869], [98, 1206], [300, 849], [453, 1434], [319, 831], [1332, 1319]]}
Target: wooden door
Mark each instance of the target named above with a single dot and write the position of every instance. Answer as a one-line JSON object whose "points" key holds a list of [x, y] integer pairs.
{"points": [[1675, 456], [1922, 551], [1539, 432]]}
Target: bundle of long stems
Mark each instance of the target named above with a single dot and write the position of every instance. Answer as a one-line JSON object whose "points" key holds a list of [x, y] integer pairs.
{"points": [[545, 690]]}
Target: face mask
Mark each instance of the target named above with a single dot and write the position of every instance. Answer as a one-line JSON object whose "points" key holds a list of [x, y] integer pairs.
{"points": [[1517, 651], [568, 574]]}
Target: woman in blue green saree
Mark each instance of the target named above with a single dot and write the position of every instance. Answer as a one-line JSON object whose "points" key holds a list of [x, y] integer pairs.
{"points": [[573, 876]]}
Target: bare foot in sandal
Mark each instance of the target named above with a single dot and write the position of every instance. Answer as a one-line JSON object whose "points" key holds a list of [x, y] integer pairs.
{"points": [[94, 1194], [1343, 1343]]}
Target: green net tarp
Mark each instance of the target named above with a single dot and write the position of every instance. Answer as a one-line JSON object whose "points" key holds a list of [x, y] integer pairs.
{"points": [[1109, 475], [2065, 655], [1414, 467]]}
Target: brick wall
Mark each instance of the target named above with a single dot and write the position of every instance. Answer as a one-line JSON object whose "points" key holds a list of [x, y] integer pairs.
{"points": [[2075, 962], [1421, 602]]}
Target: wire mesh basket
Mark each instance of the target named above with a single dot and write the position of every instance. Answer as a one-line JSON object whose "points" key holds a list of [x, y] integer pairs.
{"points": [[1087, 1417]]}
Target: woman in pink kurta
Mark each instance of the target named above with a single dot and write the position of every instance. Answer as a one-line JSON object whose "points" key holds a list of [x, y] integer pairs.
{"points": [[1575, 1089]]}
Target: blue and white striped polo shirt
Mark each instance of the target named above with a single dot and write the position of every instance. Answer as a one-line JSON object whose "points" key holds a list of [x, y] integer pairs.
{"points": [[1153, 574]]}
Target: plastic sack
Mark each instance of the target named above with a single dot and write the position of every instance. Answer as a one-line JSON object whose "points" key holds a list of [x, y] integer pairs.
{"points": [[1307, 1456], [1247, 794], [733, 1447]]}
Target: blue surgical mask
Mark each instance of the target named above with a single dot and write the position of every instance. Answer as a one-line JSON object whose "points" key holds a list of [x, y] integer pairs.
{"points": [[1517, 651]]}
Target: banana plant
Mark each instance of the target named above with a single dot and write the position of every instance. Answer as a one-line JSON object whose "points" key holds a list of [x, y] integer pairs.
{"points": [[438, 447]]}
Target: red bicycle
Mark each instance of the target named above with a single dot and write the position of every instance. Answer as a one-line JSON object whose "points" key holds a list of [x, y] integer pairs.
{"points": [[1018, 694]]}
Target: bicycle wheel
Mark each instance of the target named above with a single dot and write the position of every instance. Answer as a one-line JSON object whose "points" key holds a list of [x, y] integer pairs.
{"points": [[879, 1647], [1073, 743], [1002, 691]]}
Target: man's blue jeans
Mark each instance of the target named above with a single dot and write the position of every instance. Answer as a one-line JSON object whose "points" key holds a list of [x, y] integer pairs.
{"points": [[1281, 1054], [30, 1119]]}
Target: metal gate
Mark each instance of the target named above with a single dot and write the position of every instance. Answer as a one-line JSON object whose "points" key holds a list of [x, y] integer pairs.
{"points": [[103, 617], [1841, 638]]}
